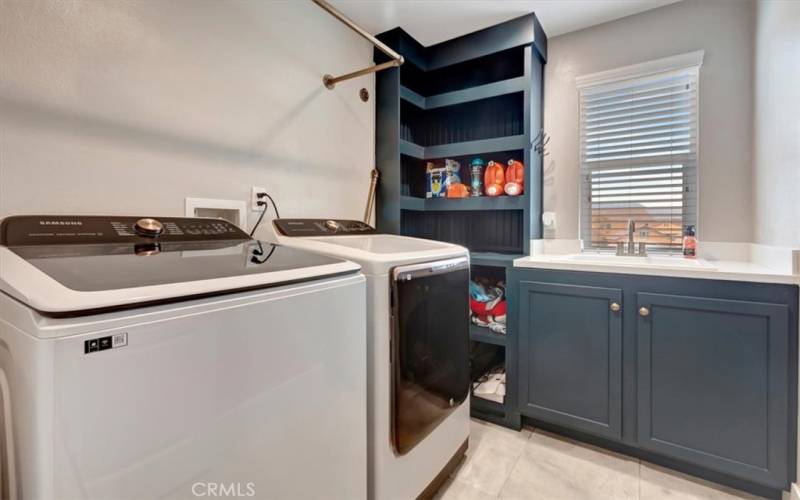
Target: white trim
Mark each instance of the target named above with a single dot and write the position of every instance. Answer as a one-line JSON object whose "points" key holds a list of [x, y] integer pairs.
{"points": [[678, 63], [795, 493]]}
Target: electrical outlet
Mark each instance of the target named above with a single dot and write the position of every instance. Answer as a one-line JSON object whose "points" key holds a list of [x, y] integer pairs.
{"points": [[254, 199]]}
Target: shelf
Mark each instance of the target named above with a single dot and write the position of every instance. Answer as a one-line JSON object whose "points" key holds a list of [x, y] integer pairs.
{"points": [[482, 146], [486, 91], [493, 259], [411, 149], [483, 334], [410, 96], [468, 203], [479, 147], [485, 405], [412, 203]]}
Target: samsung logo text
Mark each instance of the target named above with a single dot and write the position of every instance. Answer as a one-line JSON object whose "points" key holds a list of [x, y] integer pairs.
{"points": [[60, 223]]}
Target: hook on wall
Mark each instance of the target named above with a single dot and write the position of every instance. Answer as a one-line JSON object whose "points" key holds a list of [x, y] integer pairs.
{"points": [[540, 143]]}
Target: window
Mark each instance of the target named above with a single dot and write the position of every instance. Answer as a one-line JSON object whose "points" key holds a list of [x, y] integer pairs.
{"points": [[638, 140]]}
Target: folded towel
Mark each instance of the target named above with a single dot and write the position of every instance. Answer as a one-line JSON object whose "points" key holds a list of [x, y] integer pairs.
{"points": [[491, 385]]}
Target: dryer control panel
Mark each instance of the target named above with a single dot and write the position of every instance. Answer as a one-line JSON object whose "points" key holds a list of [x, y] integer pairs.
{"points": [[321, 227]]}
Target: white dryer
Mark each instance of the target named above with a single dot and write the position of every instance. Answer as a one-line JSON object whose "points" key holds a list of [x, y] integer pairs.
{"points": [[177, 358], [418, 343]]}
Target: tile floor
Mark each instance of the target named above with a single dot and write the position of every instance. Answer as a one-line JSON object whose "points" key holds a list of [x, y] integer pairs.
{"points": [[534, 464]]}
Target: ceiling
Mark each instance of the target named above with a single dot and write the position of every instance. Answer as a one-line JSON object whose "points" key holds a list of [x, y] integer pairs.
{"points": [[433, 21]]}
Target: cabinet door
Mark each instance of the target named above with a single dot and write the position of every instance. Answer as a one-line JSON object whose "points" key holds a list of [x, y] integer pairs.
{"points": [[713, 384], [571, 356]]}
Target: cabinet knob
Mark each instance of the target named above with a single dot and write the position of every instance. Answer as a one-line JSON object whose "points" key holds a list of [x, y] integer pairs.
{"points": [[615, 307], [643, 311]]}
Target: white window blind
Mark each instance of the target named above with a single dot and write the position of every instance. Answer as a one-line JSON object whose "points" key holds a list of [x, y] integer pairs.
{"points": [[639, 159]]}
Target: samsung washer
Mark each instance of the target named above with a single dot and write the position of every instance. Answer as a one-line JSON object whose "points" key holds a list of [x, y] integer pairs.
{"points": [[177, 358], [418, 343]]}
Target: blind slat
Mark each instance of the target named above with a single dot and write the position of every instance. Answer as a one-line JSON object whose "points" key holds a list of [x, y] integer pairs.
{"points": [[653, 138], [595, 95], [640, 127], [643, 99], [649, 119], [597, 150], [678, 161], [640, 134], [638, 109]]}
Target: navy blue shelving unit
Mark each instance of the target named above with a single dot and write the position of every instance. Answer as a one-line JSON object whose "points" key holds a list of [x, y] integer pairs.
{"points": [[478, 95]]}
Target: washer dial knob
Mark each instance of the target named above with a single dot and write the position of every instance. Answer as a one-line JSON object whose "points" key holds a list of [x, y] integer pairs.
{"points": [[149, 227], [332, 225]]}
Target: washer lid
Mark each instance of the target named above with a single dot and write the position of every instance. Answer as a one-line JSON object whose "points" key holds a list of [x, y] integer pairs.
{"points": [[96, 270], [377, 253]]}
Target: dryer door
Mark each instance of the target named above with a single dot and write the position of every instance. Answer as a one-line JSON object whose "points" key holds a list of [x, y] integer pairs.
{"points": [[430, 347]]}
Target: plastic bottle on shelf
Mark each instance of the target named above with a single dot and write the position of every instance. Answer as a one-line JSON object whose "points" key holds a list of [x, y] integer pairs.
{"points": [[494, 179], [476, 177], [689, 242], [515, 174]]}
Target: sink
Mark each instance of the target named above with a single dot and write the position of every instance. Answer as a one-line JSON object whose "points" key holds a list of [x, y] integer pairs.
{"points": [[649, 261]]}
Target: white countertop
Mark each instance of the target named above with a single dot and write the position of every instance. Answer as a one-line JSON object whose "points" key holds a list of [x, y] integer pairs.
{"points": [[752, 270]]}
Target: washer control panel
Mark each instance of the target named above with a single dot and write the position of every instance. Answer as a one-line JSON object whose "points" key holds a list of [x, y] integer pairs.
{"points": [[68, 230], [321, 227]]}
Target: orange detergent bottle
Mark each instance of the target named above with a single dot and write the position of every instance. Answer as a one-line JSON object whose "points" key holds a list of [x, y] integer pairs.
{"points": [[494, 179], [457, 190], [515, 178]]}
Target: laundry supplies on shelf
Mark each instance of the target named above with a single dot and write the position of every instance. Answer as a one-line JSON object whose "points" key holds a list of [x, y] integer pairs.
{"points": [[494, 179], [441, 179], [515, 174], [487, 304], [476, 177], [457, 190], [452, 173], [491, 385], [435, 181]]}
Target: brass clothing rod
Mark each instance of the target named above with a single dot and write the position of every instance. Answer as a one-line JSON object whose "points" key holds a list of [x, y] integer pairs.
{"points": [[397, 59]]}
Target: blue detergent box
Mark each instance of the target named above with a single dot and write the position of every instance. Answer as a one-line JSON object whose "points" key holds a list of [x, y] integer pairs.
{"points": [[436, 177]]}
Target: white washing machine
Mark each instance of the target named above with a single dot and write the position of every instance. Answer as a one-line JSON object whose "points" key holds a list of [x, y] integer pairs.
{"points": [[418, 343], [177, 359]]}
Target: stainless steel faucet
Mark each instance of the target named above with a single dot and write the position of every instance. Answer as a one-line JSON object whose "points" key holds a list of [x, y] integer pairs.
{"points": [[631, 230], [631, 245]]}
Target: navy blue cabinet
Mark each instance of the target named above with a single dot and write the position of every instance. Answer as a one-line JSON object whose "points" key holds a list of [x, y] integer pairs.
{"points": [[571, 356], [713, 379], [699, 374]]}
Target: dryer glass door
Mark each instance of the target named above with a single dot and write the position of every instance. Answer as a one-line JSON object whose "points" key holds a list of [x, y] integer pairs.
{"points": [[430, 347]]}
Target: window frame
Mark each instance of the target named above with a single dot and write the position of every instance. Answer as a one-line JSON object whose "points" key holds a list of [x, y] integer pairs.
{"points": [[682, 65]]}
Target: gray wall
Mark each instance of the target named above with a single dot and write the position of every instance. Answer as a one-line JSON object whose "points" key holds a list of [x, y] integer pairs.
{"points": [[776, 135], [128, 107], [724, 29]]}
